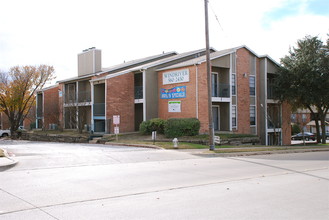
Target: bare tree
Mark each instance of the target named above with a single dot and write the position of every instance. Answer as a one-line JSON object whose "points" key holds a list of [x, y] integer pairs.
{"points": [[17, 91]]}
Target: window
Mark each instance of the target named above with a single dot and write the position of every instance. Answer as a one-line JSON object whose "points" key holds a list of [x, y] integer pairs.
{"points": [[252, 115], [293, 118], [233, 84], [234, 116], [214, 84], [252, 85]]}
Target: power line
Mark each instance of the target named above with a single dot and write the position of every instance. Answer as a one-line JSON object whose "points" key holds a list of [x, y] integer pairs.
{"points": [[213, 11]]}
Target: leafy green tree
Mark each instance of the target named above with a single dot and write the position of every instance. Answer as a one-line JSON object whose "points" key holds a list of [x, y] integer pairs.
{"points": [[303, 79], [17, 91]]}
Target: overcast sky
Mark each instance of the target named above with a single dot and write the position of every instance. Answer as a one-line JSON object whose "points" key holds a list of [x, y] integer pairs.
{"points": [[53, 32]]}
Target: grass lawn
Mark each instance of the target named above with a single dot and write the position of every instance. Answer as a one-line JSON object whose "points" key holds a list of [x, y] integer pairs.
{"points": [[181, 145]]}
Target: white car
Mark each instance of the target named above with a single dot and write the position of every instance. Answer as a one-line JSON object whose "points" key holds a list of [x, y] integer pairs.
{"points": [[4, 133]]}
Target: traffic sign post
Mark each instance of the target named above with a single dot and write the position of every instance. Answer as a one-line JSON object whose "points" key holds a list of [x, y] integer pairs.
{"points": [[116, 122]]}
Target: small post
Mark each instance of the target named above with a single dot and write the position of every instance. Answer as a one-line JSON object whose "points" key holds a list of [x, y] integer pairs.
{"points": [[154, 136], [116, 132], [175, 142]]}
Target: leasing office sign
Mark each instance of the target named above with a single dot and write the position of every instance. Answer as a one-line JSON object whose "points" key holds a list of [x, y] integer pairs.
{"points": [[177, 76]]}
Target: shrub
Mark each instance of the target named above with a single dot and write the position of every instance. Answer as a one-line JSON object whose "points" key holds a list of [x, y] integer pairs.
{"points": [[155, 124], [177, 127], [33, 125], [144, 127]]}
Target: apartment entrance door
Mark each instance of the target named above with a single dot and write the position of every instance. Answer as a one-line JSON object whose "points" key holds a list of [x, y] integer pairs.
{"points": [[215, 117]]}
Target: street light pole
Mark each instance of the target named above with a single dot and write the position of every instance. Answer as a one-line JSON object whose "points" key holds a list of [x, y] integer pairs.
{"points": [[211, 129]]}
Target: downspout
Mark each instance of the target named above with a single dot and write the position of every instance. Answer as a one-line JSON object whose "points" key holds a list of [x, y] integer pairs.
{"points": [[265, 104], [43, 110], [196, 91], [92, 107], [107, 128], [144, 95], [36, 114], [281, 125], [77, 104]]}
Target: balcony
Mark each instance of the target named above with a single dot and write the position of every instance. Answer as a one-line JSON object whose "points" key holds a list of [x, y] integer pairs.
{"points": [[70, 99], [84, 96], [270, 91], [138, 92], [39, 113], [221, 90], [272, 125], [99, 109]]}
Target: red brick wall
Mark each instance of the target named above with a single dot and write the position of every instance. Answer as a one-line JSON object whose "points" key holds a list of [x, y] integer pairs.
{"points": [[203, 98], [4, 121], [188, 104], [243, 93], [30, 118], [286, 124], [51, 107], [120, 101]]}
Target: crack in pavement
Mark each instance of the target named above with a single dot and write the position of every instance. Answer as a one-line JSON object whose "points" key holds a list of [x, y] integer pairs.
{"points": [[41, 208]]}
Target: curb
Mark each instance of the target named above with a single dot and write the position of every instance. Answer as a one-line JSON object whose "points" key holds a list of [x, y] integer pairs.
{"points": [[7, 160], [135, 145], [240, 154]]}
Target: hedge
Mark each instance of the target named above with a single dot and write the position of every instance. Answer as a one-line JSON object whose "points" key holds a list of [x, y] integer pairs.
{"points": [[155, 124], [177, 127]]}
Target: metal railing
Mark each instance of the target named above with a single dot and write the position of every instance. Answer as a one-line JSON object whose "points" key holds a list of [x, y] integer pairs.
{"points": [[99, 109], [221, 90], [270, 92], [272, 125], [39, 113], [84, 96]]}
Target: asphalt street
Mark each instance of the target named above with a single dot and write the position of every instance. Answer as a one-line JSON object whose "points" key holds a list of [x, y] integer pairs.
{"points": [[83, 181]]}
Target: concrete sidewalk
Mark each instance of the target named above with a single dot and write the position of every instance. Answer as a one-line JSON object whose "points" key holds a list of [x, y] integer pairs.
{"points": [[249, 151]]}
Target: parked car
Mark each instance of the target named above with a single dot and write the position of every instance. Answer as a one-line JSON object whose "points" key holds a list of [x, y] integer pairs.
{"points": [[327, 135], [4, 133], [308, 136]]}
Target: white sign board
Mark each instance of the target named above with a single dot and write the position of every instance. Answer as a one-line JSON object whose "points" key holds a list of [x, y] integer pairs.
{"points": [[174, 106], [177, 76], [116, 119], [116, 130]]}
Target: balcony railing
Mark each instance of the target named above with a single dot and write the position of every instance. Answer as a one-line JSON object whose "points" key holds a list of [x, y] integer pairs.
{"points": [[272, 125], [138, 92], [39, 113], [84, 96], [270, 92], [99, 109], [221, 90], [70, 99]]}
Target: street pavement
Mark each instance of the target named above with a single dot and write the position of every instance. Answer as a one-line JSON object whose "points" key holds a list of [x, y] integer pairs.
{"points": [[82, 181]]}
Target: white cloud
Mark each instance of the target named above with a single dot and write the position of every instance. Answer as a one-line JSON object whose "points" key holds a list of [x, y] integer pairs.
{"points": [[54, 32]]}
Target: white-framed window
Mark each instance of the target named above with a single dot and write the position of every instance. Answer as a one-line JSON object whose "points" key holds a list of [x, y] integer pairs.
{"points": [[234, 121], [214, 84], [233, 84], [252, 85], [252, 115]]}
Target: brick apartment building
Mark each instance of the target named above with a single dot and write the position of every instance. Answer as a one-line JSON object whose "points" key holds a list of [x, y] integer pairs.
{"points": [[170, 85]]}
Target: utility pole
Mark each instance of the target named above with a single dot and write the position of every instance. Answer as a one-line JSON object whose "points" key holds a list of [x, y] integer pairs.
{"points": [[211, 129]]}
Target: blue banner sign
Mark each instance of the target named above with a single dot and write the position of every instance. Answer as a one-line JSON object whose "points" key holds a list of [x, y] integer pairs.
{"points": [[174, 93]]}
